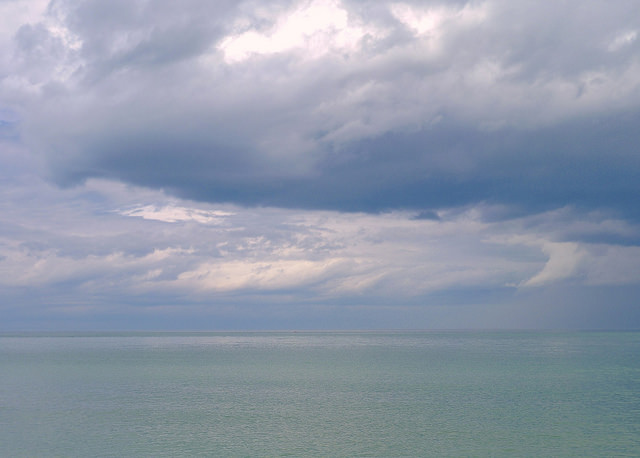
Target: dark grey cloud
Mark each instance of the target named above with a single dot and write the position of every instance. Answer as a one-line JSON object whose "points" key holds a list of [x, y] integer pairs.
{"points": [[513, 104], [588, 164], [428, 107]]}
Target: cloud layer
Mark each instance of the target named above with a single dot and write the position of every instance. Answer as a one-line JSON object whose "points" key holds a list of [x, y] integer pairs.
{"points": [[319, 163], [93, 256], [351, 106]]}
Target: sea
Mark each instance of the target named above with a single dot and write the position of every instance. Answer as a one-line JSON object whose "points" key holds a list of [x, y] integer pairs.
{"points": [[320, 394]]}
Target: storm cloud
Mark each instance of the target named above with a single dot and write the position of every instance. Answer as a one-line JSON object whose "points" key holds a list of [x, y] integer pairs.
{"points": [[352, 106]]}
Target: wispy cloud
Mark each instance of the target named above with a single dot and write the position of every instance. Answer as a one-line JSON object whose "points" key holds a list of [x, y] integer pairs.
{"points": [[172, 214]]}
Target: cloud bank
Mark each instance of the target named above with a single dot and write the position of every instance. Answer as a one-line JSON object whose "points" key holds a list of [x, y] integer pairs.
{"points": [[350, 106], [317, 163]]}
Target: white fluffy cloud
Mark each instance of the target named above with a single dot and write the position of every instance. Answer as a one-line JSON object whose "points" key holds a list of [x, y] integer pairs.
{"points": [[314, 29]]}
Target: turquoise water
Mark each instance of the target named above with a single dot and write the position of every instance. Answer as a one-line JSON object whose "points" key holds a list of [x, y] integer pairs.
{"points": [[321, 394]]}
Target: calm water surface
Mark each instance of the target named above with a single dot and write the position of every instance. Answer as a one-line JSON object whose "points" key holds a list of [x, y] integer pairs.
{"points": [[321, 394]]}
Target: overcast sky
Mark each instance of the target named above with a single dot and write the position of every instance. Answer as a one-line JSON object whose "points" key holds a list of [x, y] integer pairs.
{"points": [[319, 164]]}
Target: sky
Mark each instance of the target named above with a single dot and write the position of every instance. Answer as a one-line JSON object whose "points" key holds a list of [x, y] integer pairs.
{"points": [[319, 164]]}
